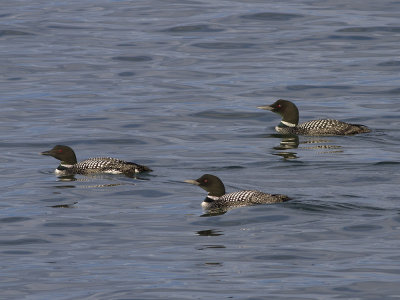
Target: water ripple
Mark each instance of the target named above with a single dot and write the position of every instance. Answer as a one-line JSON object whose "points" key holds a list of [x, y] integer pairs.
{"points": [[25, 241], [371, 29], [224, 45], [271, 16], [10, 32], [141, 58], [14, 219], [193, 28]]}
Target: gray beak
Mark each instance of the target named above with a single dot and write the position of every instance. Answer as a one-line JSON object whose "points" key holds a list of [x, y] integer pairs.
{"points": [[265, 107], [46, 152], [192, 181]]}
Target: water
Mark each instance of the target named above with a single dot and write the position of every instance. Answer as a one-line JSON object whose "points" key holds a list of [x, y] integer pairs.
{"points": [[175, 85]]}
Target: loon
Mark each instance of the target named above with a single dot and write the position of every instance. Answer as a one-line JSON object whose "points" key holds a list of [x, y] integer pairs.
{"points": [[290, 122], [218, 200], [69, 165]]}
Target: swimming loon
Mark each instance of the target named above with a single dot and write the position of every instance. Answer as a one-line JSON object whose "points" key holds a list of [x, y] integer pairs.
{"points": [[70, 166], [218, 200], [290, 122]]}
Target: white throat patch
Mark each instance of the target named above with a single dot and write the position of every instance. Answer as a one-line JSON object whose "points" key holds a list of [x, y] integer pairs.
{"points": [[66, 166], [288, 124]]}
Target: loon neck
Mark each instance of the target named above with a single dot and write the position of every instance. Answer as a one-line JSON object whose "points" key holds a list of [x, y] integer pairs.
{"points": [[216, 190], [68, 159], [211, 198], [285, 124], [290, 114], [64, 164]]}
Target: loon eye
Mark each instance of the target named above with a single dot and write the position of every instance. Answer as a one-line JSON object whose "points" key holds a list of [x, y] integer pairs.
{"points": [[279, 105], [205, 180], [59, 150]]}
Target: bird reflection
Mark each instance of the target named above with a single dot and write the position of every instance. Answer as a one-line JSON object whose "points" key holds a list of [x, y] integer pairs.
{"points": [[67, 178], [89, 178], [96, 176], [293, 142], [319, 147], [63, 205], [287, 155], [287, 142], [85, 179], [213, 264], [209, 232], [214, 212]]}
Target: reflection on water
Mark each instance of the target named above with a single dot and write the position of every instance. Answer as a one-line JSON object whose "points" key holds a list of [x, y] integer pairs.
{"points": [[287, 142], [67, 178], [213, 264], [209, 232], [64, 186], [211, 247], [91, 177], [214, 212], [287, 155], [89, 186], [101, 185], [63, 205], [293, 142], [101, 175]]}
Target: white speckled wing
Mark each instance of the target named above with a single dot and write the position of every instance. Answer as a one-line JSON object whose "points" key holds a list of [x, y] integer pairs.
{"points": [[100, 164], [106, 165], [328, 124], [250, 197], [241, 198], [324, 127]]}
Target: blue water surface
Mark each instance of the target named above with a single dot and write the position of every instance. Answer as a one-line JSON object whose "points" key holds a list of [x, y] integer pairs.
{"points": [[175, 85]]}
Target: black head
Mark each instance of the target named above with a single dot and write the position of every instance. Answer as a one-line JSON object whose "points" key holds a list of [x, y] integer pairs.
{"points": [[288, 110], [63, 153], [212, 184]]}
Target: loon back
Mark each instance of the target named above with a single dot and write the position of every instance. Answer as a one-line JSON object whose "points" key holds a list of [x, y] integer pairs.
{"points": [[105, 165], [323, 127], [242, 198]]}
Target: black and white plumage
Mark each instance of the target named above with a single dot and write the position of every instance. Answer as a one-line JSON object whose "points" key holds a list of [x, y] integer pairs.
{"points": [[218, 200], [290, 122], [69, 165]]}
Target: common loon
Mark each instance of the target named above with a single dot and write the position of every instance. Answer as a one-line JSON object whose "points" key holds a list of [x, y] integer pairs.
{"points": [[290, 122], [69, 165], [218, 200]]}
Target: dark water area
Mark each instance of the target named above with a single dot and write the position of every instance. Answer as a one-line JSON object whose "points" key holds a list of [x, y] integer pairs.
{"points": [[175, 85]]}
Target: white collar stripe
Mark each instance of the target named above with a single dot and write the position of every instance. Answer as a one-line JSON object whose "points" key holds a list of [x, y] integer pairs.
{"points": [[288, 124]]}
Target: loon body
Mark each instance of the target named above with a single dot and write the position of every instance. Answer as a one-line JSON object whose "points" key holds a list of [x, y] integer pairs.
{"points": [[69, 165], [290, 122], [218, 200]]}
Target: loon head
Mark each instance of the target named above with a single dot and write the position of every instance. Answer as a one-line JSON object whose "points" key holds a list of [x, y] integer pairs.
{"points": [[212, 184], [288, 110], [63, 153]]}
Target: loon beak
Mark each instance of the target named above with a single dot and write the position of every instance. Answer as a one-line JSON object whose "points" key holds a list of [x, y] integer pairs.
{"points": [[266, 107], [191, 181], [49, 152]]}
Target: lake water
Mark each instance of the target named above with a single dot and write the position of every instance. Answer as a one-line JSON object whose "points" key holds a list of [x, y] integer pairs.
{"points": [[175, 85]]}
